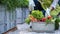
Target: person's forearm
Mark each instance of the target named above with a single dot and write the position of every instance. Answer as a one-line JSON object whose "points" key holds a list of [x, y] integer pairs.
{"points": [[53, 5]]}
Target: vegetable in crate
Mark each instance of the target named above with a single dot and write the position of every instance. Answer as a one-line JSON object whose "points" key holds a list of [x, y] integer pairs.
{"points": [[49, 20], [43, 19], [27, 20], [37, 14], [32, 18], [49, 17]]}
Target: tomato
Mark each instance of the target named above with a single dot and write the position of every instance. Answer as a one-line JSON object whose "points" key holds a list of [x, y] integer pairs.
{"points": [[49, 17], [43, 19]]}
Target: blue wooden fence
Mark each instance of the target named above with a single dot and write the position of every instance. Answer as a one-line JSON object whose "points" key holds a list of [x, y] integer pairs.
{"points": [[9, 19], [22, 13]]}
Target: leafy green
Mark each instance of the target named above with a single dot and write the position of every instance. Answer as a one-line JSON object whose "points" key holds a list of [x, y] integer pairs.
{"points": [[27, 20], [48, 21], [37, 14]]}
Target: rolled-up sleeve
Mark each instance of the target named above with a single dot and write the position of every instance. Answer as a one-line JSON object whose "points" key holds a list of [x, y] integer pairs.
{"points": [[31, 5], [54, 3]]}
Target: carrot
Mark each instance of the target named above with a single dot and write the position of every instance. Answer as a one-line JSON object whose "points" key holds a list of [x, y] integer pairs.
{"points": [[32, 18]]}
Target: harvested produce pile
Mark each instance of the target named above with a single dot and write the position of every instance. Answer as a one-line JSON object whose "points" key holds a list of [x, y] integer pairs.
{"points": [[37, 16]]}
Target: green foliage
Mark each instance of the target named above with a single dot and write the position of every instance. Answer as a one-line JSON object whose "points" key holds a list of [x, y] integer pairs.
{"points": [[11, 4], [57, 23], [57, 20], [27, 20], [55, 11], [50, 21], [37, 14]]}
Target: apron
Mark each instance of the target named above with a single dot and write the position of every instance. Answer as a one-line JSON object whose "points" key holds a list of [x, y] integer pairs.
{"points": [[59, 2]]}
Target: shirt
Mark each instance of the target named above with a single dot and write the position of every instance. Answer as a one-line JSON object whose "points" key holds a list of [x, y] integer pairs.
{"points": [[35, 5], [54, 3], [31, 5]]}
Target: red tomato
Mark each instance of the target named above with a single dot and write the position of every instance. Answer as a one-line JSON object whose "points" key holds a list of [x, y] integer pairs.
{"points": [[43, 19], [49, 17]]}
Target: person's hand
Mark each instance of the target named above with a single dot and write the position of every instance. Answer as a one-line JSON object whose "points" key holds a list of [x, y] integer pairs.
{"points": [[52, 8]]}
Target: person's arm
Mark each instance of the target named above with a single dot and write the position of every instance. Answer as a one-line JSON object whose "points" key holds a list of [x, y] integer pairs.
{"points": [[31, 5], [53, 5]]}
